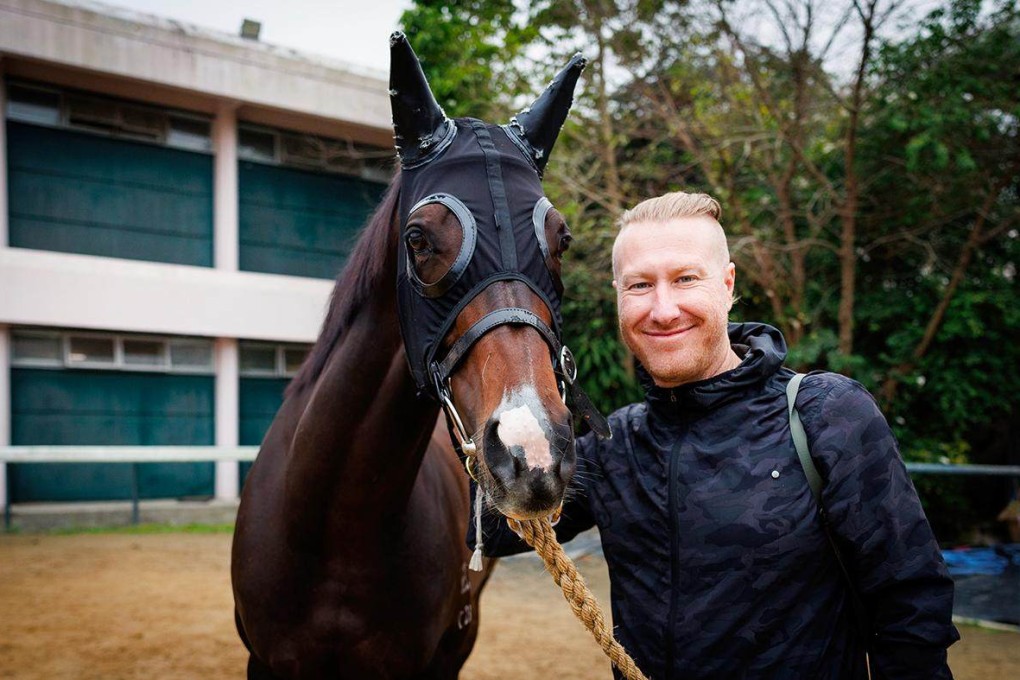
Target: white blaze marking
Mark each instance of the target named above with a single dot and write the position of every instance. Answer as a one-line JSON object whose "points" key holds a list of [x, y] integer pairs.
{"points": [[519, 427]]}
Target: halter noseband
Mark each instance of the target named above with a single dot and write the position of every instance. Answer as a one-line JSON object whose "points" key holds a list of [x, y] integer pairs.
{"points": [[563, 362]]}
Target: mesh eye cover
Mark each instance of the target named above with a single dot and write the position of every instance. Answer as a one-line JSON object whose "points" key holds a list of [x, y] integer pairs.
{"points": [[469, 230]]}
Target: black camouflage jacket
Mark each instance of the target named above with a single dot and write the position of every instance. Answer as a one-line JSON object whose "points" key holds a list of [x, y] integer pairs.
{"points": [[718, 563]]}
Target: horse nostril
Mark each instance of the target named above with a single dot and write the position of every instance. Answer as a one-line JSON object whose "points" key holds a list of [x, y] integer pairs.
{"points": [[567, 464], [503, 466]]}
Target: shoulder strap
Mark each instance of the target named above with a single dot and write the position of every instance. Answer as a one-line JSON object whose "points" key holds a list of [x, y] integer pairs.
{"points": [[800, 441]]}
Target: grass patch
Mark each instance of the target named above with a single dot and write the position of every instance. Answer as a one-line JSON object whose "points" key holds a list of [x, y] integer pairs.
{"points": [[147, 529]]}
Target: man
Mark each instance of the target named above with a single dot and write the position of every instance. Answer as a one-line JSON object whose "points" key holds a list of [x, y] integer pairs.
{"points": [[719, 564]]}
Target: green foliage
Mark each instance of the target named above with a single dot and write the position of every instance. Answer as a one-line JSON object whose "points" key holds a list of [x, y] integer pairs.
{"points": [[590, 329], [937, 153], [467, 49], [942, 136]]}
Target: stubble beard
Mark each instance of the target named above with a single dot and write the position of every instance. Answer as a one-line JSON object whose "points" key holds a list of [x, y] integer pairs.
{"points": [[697, 358]]}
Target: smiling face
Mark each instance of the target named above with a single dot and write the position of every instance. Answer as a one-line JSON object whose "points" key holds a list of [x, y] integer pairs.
{"points": [[674, 290]]}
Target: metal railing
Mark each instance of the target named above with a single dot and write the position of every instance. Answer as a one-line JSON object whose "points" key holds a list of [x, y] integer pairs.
{"points": [[135, 455], [949, 469], [130, 455]]}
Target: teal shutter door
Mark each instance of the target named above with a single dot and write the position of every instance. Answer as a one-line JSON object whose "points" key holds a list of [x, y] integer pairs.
{"points": [[298, 222], [84, 407], [258, 401], [77, 192]]}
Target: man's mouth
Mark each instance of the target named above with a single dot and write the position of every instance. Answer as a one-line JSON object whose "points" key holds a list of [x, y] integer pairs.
{"points": [[666, 334]]}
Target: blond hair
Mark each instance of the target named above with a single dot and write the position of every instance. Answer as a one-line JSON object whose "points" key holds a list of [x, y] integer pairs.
{"points": [[671, 206]]}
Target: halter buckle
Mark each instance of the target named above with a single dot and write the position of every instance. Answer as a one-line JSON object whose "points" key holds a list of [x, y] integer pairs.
{"points": [[467, 444], [568, 367]]}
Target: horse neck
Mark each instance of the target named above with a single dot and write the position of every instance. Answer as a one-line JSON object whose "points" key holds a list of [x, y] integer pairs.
{"points": [[363, 430]]}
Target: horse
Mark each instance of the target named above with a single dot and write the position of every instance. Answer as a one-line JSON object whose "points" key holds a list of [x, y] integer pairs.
{"points": [[349, 557]]}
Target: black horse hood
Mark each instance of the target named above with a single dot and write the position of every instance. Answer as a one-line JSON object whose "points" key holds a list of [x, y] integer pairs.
{"points": [[496, 195], [489, 178]]}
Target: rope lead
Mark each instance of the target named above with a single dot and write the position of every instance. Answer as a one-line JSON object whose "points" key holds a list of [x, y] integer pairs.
{"points": [[476, 557], [539, 534]]}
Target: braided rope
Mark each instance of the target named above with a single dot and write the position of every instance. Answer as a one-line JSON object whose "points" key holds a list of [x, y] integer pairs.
{"points": [[539, 534]]}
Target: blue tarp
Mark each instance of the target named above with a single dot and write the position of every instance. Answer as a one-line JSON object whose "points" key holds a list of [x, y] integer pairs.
{"points": [[987, 582], [989, 561]]}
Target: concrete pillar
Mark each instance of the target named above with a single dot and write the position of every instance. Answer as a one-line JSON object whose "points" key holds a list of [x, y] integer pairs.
{"points": [[225, 221], [5, 405], [225, 257], [4, 229], [5, 335], [227, 414]]}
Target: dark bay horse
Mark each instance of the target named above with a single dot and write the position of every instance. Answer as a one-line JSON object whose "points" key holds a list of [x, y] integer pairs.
{"points": [[349, 556]]}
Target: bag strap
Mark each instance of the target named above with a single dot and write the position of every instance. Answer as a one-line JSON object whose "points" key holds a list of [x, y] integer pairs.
{"points": [[800, 441], [815, 481]]}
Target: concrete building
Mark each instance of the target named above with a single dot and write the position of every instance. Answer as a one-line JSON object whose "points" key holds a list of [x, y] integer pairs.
{"points": [[174, 204]]}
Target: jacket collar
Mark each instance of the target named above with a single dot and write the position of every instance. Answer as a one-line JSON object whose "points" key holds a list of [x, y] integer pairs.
{"points": [[762, 350]]}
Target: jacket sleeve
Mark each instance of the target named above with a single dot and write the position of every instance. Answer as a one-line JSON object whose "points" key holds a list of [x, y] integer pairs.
{"points": [[883, 534], [500, 541]]}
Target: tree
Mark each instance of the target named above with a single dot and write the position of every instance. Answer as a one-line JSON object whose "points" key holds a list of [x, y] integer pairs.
{"points": [[469, 51], [945, 157]]}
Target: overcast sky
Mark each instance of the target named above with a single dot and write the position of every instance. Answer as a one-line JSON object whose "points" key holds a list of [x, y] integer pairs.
{"points": [[351, 30]]}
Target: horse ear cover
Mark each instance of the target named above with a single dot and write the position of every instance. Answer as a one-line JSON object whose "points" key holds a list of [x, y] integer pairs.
{"points": [[539, 124], [419, 123]]}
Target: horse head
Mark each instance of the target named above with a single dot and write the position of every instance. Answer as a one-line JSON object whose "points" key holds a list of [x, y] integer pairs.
{"points": [[479, 286]]}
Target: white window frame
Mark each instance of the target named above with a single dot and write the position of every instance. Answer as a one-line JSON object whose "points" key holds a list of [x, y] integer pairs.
{"points": [[363, 169], [64, 116], [279, 359], [118, 354], [118, 363], [34, 362]]}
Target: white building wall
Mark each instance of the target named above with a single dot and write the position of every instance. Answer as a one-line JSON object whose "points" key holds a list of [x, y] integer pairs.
{"points": [[43, 288], [153, 50], [131, 55]]}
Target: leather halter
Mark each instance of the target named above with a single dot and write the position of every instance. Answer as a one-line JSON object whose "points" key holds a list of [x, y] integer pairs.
{"points": [[563, 362]]}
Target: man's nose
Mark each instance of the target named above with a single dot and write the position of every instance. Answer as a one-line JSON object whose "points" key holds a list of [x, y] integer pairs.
{"points": [[665, 308]]}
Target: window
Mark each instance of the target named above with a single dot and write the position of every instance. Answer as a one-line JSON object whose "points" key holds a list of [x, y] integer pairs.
{"points": [[293, 357], [259, 359], [33, 105], [314, 153], [58, 349], [255, 145], [92, 351], [150, 353], [29, 348], [191, 355], [29, 103], [189, 133]]}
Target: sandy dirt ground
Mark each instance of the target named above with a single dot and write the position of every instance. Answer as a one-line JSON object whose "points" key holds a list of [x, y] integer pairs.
{"points": [[133, 606]]}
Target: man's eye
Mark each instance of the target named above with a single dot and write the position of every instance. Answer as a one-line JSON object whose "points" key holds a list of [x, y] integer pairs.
{"points": [[687, 279], [417, 241], [640, 285]]}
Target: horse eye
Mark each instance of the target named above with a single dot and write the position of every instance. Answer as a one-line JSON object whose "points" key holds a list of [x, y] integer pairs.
{"points": [[564, 244], [416, 240]]}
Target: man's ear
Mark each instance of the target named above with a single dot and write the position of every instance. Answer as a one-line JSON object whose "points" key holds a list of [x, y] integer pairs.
{"points": [[730, 280], [615, 287]]}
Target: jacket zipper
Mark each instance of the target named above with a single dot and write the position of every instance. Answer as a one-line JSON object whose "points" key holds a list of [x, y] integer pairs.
{"points": [[674, 556]]}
